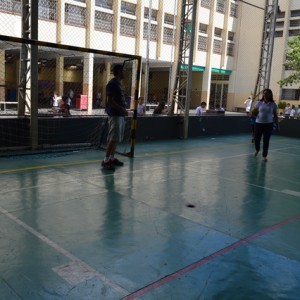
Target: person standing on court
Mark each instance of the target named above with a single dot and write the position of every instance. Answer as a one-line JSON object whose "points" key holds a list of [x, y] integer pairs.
{"points": [[116, 110], [267, 116]]}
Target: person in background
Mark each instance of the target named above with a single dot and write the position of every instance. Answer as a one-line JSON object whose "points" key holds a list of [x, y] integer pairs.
{"points": [[98, 99], [160, 109], [116, 109], [141, 107], [71, 97], [219, 108], [248, 103], [298, 112], [293, 112], [266, 117], [200, 109], [55, 102], [287, 110]]}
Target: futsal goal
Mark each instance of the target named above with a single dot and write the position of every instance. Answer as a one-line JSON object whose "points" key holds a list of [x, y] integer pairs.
{"points": [[36, 78]]}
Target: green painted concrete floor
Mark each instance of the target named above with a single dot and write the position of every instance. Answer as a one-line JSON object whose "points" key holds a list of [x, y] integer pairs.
{"points": [[186, 219]]}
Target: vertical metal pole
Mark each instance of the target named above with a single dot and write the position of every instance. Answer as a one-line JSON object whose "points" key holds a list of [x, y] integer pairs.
{"points": [[34, 76], [147, 55], [190, 71]]}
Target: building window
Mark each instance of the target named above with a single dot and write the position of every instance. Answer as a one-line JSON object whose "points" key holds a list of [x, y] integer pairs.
{"points": [[104, 21], [75, 15], [294, 32], [108, 4], [294, 23], [153, 14], [233, 10], [202, 43], [203, 28], [278, 33], [169, 19], [290, 94], [217, 47], [218, 32], [230, 49], [230, 36], [221, 6], [295, 13], [279, 24], [168, 36], [48, 10], [81, 1], [12, 6], [280, 15], [153, 32], [128, 8], [128, 27], [206, 3]]}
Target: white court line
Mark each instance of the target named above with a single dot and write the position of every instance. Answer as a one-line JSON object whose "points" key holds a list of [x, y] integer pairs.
{"points": [[64, 252]]}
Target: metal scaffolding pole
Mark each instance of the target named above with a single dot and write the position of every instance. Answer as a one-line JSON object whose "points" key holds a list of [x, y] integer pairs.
{"points": [[266, 55], [181, 81]]}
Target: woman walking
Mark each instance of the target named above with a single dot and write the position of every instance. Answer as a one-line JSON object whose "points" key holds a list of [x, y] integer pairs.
{"points": [[267, 116]]}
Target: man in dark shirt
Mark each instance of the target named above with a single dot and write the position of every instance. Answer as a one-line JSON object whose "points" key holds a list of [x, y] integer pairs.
{"points": [[116, 110]]}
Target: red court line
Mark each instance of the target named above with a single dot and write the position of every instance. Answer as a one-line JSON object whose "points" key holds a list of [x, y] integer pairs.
{"points": [[206, 259]]}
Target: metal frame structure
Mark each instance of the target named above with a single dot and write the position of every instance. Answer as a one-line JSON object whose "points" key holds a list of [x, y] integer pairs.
{"points": [[267, 45], [181, 82]]}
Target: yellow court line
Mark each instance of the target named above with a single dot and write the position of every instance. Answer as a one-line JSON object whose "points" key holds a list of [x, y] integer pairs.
{"points": [[98, 160], [51, 165]]}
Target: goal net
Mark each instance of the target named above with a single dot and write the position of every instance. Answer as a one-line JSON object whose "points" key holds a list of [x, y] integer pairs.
{"points": [[39, 81]]}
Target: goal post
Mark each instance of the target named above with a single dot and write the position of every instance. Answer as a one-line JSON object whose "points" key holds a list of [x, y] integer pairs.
{"points": [[64, 71]]}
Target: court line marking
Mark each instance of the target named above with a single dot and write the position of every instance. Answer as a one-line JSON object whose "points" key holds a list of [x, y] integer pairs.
{"points": [[207, 259], [50, 165], [136, 157], [64, 252]]}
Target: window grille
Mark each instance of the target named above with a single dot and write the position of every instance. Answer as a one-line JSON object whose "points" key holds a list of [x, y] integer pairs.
{"points": [[203, 28], [108, 4], [75, 15], [128, 27], [12, 6], [290, 94], [202, 43], [48, 9], [280, 15], [128, 8], [230, 49], [206, 3], [221, 6], [279, 24], [153, 31], [233, 10], [295, 13], [169, 19], [217, 47], [230, 36], [168, 36], [294, 32], [104, 21], [220, 77], [294, 23], [153, 14], [218, 32], [278, 33]]}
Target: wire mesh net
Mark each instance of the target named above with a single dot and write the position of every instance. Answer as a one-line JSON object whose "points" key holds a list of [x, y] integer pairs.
{"points": [[67, 77]]}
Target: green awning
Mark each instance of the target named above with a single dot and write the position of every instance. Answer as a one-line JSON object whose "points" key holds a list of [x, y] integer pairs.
{"points": [[221, 71], [194, 68]]}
